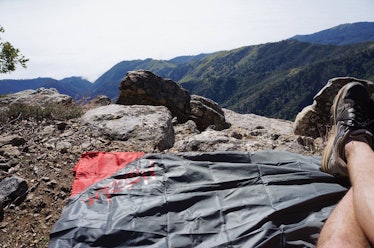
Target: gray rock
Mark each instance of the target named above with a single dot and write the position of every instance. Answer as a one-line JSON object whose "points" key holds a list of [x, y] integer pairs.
{"points": [[145, 88], [4, 164], [52, 184], [85, 145], [144, 124], [209, 103], [61, 126], [185, 129], [46, 179], [12, 189], [14, 140], [63, 146], [48, 131], [208, 141], [207, 113], [101, 100], [315, 120], [9, 151], [243, 122], [98, 101]]}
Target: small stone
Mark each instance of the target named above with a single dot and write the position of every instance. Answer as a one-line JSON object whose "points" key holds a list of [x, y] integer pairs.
{"points": [[14, 140], [67, 134], [258, 132], [274, 136], [48, 217], [42, 156], [3, 225], [46, 179], [65, 189], [48, 131], [13, 170], [30, 197], [61, 126], [4, 166], [47, 190], [63, 146], [236, 135], [52, 184], [9, 151], [85, 145]]}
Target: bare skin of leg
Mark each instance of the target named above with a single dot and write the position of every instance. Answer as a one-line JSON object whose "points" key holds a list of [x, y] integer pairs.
{"points": [[360, 162], [341, 228]]}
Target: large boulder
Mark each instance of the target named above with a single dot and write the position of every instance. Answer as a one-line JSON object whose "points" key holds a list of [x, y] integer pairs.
{"points": [[144, 125], [207, 113], [145, 88], [315, 120]]}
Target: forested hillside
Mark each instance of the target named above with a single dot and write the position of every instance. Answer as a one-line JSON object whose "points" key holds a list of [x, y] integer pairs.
{"points": [[273, 79]]}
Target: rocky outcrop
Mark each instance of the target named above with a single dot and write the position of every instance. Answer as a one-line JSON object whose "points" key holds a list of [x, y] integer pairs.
{"points": [[145, 88], [248, 132], [145, 126], [315, 120], [40, 97], [207, 113]]}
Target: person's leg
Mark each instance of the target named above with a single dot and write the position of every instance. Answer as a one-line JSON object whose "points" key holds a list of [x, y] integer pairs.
{"points": [[360, 163], [341, 228], [349, 153], [353, 113]]}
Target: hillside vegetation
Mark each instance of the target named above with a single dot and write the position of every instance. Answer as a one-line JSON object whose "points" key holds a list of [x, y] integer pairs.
{"points": [[274, 79], [277, 79]]}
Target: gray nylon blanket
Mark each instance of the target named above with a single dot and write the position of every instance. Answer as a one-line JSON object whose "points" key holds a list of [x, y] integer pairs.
{"points": [[230, 199]]}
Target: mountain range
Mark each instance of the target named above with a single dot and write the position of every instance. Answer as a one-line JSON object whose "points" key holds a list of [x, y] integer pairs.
{"points": [[274, 79]]}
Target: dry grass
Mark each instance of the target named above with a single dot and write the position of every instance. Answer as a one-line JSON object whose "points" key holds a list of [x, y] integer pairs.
{"points": [[61, 112]]}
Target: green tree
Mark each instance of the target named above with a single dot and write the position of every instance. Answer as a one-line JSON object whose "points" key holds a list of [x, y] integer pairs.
{"points": [[10, 56]]}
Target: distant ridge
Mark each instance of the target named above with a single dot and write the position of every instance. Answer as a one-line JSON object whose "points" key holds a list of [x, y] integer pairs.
{"points": [[75, 87], [345, 34]]}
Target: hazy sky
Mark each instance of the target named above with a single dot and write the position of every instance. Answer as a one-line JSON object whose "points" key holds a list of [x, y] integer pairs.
{"points": [[64, 38]]}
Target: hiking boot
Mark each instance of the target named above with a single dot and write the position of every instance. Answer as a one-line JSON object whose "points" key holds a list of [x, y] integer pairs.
{"points": [[353, 115]]}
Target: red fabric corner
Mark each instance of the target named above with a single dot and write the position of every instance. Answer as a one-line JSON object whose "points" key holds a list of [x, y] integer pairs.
{"points": [[95, 166]]}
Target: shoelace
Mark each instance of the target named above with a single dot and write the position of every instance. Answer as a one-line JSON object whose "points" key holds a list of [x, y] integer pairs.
{"points": [[358, 118]]}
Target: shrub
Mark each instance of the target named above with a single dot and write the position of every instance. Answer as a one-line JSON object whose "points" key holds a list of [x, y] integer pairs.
{"points": [[54, 111]]}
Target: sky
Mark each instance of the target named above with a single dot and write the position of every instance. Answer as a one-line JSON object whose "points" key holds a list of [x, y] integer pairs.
{"points": [[64, 38]]}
